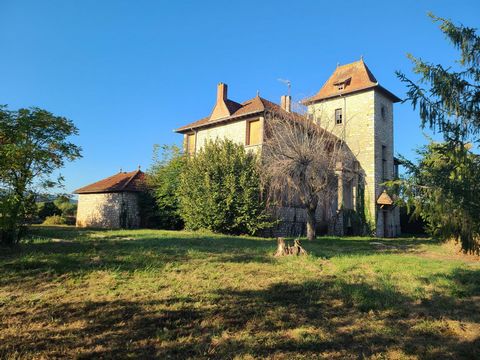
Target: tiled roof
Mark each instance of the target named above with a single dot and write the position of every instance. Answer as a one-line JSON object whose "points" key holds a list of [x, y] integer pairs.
{"points": [[121, 182], [384, 199], [352, 78], [249, 107]]}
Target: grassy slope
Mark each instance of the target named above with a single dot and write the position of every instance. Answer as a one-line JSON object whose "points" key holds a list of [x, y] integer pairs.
{"points": [[163, 294]]}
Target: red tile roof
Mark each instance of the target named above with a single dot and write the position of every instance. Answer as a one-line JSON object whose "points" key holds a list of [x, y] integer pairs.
{"points": [[384, 199], [353, 77], [250, 107], [123, 181]]}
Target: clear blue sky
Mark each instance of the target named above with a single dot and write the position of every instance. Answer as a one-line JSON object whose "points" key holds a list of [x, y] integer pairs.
{"points": [[129, 72]]}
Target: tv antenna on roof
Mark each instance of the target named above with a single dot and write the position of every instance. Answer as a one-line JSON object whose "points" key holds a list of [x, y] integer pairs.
{"points": [[288, 83]]}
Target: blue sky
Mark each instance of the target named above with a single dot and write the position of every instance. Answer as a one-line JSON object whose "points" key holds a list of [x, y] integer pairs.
{"points": [[129, 72]]}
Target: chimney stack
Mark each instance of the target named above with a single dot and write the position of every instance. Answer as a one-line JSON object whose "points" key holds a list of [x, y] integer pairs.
{"points": [[286, 103], [220, 110], [222, 92]]}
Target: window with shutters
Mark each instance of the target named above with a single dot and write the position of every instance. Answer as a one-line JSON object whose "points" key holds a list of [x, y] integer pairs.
{"points": [[191, 144], [254, 132]]}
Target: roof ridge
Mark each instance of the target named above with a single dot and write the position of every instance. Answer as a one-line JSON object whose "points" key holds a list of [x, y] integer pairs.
{"points": [[361, 79], [352, 63], [136, 172]]}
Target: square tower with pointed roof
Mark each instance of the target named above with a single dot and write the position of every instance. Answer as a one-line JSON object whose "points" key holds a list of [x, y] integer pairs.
{"points": [[354, 106]]}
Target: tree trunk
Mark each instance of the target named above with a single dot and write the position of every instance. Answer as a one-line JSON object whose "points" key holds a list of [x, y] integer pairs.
{"points": [[283, 249], [311, 223]]}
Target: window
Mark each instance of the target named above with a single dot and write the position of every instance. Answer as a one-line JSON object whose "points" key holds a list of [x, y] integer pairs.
{"points": [[254, 132], [191, 144], [338, 116], [383, 111], [340, 87], [384, 163], [348, 194]]}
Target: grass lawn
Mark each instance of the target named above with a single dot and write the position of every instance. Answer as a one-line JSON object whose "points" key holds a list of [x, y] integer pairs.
{"points": [[175, 295]]}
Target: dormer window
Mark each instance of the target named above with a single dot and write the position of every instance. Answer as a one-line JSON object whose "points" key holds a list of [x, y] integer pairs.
{"points": [[342, 83]]}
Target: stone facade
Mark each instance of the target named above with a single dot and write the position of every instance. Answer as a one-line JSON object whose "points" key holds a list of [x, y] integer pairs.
{"points": [[108, 210], [235, 131], [368, 132]]}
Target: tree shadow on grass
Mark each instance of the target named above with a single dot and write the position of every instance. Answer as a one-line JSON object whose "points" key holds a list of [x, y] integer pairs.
{"points": [[328, 246], [82, 251], [313, 319], [87, 253]]}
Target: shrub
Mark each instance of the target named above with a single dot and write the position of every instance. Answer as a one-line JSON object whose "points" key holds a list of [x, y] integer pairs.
{"points": [[65, 205], [46, 209], [160, 204], [219, 190], [55, 220]]}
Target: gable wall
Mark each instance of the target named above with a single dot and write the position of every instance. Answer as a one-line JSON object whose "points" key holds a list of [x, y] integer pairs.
{"points": [[104, 210], [235, 131]]}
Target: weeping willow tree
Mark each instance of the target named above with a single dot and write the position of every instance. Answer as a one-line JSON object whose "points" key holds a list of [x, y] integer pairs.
{"points": [[443, 187]]}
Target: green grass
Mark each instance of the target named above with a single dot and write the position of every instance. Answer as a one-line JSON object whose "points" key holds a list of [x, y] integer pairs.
{"points": [[70, 293]]}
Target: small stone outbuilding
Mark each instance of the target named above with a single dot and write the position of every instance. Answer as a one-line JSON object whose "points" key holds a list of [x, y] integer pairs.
{"points": [[111, 203]]}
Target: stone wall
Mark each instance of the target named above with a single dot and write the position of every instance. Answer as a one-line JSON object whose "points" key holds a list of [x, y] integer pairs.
{"points": [[108, 210], [357, 129], [388, 221], [365, 130]]}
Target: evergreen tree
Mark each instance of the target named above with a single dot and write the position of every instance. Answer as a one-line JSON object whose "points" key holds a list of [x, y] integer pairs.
{"points": [[443, 187]]}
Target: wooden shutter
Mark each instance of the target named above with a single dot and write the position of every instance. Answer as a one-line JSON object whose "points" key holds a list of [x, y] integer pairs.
{"points": [[191, 143], [254, 132]]}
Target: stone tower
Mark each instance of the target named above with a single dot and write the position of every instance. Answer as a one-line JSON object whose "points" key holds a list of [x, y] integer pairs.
{"points": [[353, 105]]}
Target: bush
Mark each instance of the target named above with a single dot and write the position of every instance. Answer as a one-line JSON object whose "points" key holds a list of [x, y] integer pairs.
{"points": [[46, 209], [160, 204], [65, 205], [55, 220], [219, 190]]}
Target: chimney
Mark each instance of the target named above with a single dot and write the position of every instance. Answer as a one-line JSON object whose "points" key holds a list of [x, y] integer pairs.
{"points": [[286, 103], [222, 92], [220, 110]]}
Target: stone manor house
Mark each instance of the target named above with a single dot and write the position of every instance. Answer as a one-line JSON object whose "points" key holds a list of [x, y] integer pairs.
{"points": [[353, 106]]}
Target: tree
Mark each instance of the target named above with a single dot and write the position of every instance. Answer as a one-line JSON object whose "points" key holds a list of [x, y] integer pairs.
{"points": [[441, 190], [163, 180], [443, 187], [33, 145], [301, 163], [64, 203], [46, 209], [220, 190]]}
